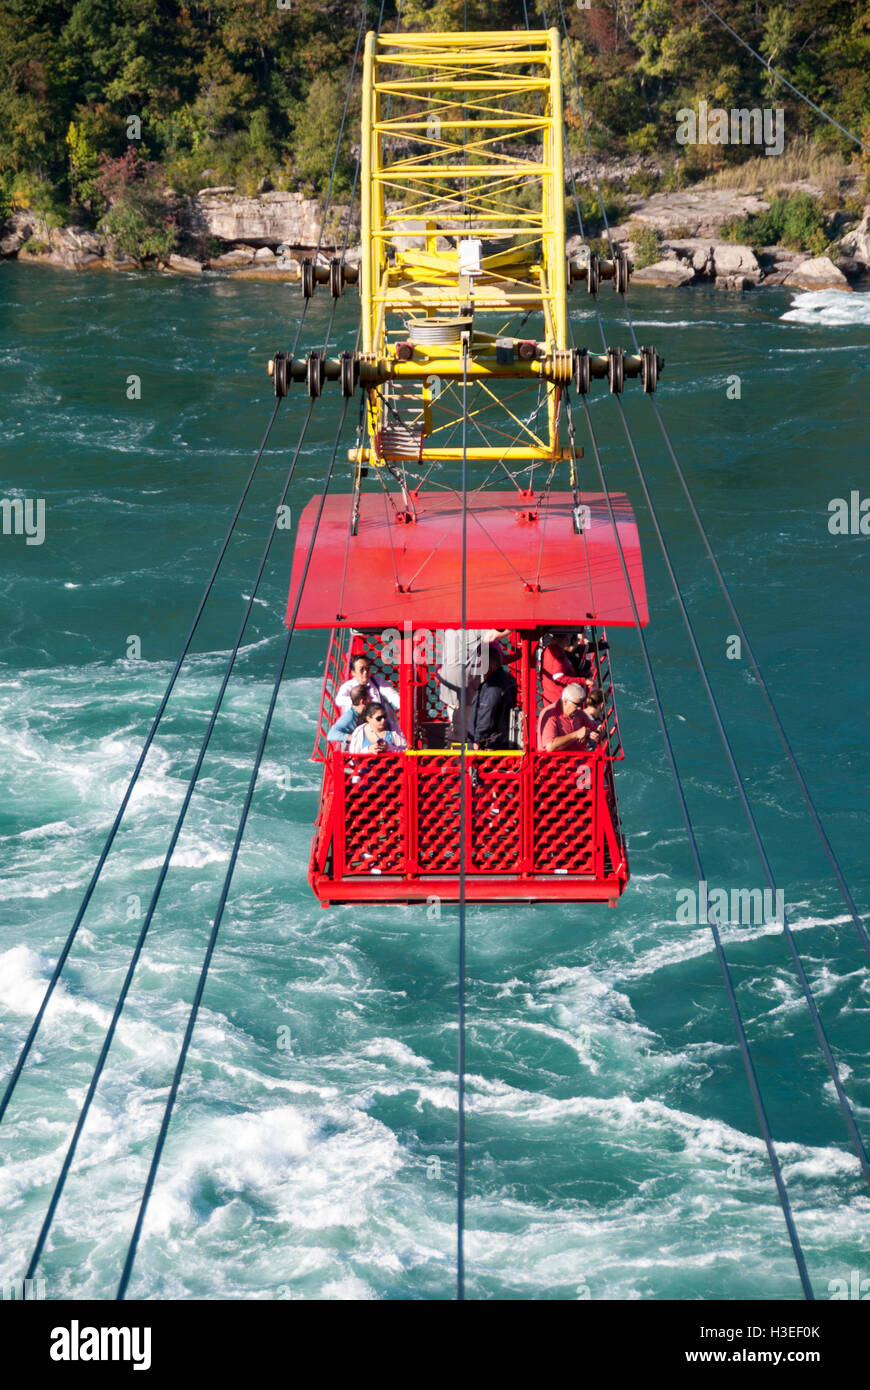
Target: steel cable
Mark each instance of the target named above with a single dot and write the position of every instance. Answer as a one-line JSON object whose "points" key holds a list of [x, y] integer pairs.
{"points": [[110, 839], [206, 965], [58, 1190], [833, 1070], [743, 1042], [827, 847]]}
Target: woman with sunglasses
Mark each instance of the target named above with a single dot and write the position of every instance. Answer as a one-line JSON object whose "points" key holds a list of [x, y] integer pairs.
{"points": [[373, 735]]}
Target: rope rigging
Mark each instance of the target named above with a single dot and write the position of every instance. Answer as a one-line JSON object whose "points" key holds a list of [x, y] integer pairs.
{"points": [[463, 730], [778, 75], [818, 1027], [212, 941], [714, 924], [833, 1069], [834, 1072], [756, 670], [70, 1154], [560, 395], [110, 839], [768, 699]]}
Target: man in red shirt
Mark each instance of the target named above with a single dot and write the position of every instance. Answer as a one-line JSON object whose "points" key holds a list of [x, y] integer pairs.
{"points": [[565, 728], [557, 669]]}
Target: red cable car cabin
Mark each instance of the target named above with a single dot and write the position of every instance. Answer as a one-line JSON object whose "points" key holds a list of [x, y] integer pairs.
{"points": [[539, 826]]}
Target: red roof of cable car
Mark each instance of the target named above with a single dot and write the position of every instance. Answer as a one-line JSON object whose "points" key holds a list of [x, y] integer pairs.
{"points": [[521, 573]]}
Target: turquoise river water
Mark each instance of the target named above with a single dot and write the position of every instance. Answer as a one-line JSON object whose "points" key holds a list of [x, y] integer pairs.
{"points": [[613, 1151]]}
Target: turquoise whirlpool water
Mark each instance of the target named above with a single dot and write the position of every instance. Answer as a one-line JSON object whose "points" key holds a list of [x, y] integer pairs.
{"points": [[612, 1147]]}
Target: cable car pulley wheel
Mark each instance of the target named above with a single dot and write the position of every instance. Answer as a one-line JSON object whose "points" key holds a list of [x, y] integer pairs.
{"points": [[616, 369], [314, 373]]}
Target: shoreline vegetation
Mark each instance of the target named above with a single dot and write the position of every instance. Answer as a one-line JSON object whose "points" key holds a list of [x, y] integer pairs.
{"points": [[190, 138]]}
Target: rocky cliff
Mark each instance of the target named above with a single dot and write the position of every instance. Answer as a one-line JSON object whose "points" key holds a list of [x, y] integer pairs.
{"points": [[263, 235]]}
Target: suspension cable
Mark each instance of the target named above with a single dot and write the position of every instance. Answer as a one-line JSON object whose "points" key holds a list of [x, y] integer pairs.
{"points": [[328, 198], [714, 924], [753, 825], [164, 870], [212, 941], [70, 1154], [68, 944], [743, 1042], [110, 839], [131, 1252], [829, 851], [463, 736], [778, 75], [107, 1042], [827, 847], [833, 1069]]}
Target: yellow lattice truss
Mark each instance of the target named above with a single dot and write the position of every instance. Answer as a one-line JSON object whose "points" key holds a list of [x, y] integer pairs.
{"points": [[463, 224]]}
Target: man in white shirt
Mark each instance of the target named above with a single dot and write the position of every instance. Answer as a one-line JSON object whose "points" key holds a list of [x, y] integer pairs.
{"points": [[361, 674]]}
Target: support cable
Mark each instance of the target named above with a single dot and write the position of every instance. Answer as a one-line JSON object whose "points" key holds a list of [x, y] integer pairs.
{"points": [[714, 925], [821, 1036], [107, 1042], [778, 75], [833, 1069], [206, 965], [463, 822], [829, 851], [331, 183], [161, 878], [827, 847], [755, 1090], [110, 839], [463, 734]]}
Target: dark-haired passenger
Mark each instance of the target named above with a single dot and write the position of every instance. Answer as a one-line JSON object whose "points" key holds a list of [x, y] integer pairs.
{"points": [[349, 718], [372, 734], [361, 674]]}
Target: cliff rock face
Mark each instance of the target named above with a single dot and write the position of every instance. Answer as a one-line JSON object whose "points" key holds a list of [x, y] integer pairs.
{"points": [[270, 219], [698, 212]]}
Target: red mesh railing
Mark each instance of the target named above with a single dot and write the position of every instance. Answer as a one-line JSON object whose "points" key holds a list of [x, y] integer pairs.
{"points": [[496, 814], [396, 814], [399, 816], [564, 813], [374, 812], [438, 813]]}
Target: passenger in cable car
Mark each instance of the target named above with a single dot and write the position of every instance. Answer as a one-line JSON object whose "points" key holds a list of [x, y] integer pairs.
{"points": [[564, 727], [378, 690], [560, 666], [593, 714], [475, 664], [583, 649], [372, 735], [348, 720], [489, 720]]}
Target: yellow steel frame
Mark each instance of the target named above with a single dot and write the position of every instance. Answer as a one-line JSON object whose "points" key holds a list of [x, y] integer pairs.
{"points": [[437, 112]]}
